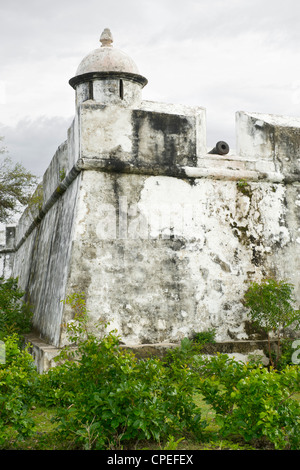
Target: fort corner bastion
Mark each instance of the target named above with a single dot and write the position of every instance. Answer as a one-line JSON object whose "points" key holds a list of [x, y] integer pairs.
{"points": [[162, 234]]}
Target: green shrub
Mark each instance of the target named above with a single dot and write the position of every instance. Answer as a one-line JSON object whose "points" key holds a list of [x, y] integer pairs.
{"points": [[183, 354], [272, 307], [204, 337], [18, 389], [287, 349], [109, 397], [15, 315], [253, 402]]}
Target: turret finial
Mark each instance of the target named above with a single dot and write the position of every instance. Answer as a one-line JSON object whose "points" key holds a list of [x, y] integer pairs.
{"points": [[106, 38]]}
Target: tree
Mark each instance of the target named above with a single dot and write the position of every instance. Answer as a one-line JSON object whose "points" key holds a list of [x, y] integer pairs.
{"points": [[272, 308], [15, 314], [16, 186]]}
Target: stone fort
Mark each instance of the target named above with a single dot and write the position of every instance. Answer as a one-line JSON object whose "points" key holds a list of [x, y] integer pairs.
{"points": [[162, 234]]}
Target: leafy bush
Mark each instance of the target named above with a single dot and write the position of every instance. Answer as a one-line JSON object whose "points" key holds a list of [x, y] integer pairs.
{"points": [[253, 402], [287, 349], [15, 315], [183, 354], [109, 397], [204, 337], [18, 388], [272, 308]]}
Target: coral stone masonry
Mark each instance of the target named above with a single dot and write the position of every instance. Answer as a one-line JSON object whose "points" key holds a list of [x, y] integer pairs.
{"points": [[161, 233]]}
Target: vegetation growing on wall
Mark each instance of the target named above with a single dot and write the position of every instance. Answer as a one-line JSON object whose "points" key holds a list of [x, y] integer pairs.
{"points": [[244, 187], [35, 203]]}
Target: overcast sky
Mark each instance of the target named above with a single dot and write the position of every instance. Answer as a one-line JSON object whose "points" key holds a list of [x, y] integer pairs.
{"points": [[225, 55]]}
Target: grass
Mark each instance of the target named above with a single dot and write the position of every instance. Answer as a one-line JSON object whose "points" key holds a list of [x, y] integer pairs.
{"points": [[46, 437]]}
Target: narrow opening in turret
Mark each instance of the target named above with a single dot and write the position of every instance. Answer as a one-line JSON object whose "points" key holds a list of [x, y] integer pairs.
{"points": [[91, 91], [121, 89]]}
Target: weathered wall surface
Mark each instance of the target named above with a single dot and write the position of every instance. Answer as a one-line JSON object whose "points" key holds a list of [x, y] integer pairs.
{"points": [[149, 136], [43, 263], [162, 237], [43, 243], [272, 141], [7, 251], [5, 264], [168, 256]]}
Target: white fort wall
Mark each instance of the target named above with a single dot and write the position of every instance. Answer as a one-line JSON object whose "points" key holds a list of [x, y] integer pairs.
{"points": [[162, 237], [185, 254]]}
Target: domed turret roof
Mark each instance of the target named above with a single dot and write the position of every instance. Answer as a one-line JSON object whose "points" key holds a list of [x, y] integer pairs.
{"points": [[107, 58]]}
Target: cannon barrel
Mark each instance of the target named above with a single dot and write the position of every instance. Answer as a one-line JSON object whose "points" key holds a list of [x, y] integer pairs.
{"points": [[221, 148]]}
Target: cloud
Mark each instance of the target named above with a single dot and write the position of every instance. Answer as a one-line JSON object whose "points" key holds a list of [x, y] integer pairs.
{"points": [[33, 142], [225, 56]]}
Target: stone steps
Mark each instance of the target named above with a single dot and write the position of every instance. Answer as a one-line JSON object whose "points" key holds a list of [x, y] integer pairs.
{"points": [[44, 354]]}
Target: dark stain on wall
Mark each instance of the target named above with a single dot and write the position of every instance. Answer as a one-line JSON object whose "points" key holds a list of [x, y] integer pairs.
{"points": [[178, 134]]}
